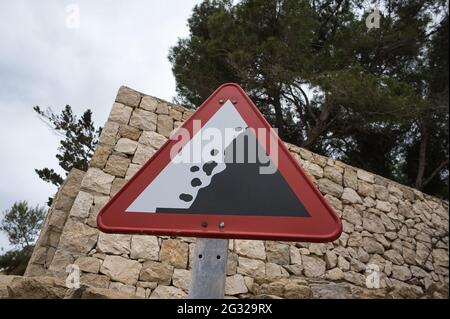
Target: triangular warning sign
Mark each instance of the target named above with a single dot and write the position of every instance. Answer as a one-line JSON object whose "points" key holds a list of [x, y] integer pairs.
{"points": [[224, 173]]}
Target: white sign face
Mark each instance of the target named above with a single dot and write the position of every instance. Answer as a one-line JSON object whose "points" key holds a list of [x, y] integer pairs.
{"points": [[187, 175]]}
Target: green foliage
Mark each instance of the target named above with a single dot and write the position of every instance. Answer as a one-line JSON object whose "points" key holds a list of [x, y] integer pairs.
{"points": [[79, 138], [375, 98], [22, 223], [14, 262]]}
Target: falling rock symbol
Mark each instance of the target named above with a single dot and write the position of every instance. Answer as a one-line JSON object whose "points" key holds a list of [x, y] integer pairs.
{"points": [[240, 189]]}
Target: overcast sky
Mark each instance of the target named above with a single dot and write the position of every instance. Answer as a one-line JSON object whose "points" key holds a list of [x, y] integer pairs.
{"points": [[47, 59]]}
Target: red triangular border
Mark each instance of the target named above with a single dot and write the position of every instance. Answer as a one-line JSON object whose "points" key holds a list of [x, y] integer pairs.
{"points": [[322, 224]]}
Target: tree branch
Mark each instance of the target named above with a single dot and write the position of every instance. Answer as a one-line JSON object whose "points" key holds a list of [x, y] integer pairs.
{"points": [[437, 170]]}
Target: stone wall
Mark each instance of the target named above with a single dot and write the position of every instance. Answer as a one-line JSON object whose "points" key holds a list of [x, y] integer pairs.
{"points": [[400, 230], [53, 225]]}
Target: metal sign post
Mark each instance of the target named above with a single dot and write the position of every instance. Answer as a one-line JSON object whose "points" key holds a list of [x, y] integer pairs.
{"points": [[209, 269]]}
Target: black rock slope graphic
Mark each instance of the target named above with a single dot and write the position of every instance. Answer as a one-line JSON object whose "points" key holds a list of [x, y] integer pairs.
{"points": [[242, 190]]}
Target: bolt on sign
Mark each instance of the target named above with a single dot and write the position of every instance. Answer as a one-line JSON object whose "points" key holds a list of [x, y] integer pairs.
{"points": [[224, 174]]}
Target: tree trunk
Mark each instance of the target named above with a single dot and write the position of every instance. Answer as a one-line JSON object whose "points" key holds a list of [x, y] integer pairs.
{"points": [[278, 115], [316, 131], [422, 157]]}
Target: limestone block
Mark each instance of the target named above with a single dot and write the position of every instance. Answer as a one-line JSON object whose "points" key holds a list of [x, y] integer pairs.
{"points": [[117, 165], [132, 169], [351, 215], [154, 271], [144, 247], [143, 120], [328, 187], [152, 139], [110, 133], [121, 269], [350, 196], [97, 181], [164, 125], [365, 176], [100, 156], [116, 244], [175, 253], [148, 103], [250, 248], [314, 169], [232, 263], [401, 273], [126, 146], [78, 238], [373, 223], [235, 285], [118, 286], [120, 113], [251, 267], [130, 132], [371, 246], [117, 184], [143, 154], [181, 278], [128, 96], [175, 114], [350, 178], [313, 266], [333, 174], [88, 264], [277, 253], [57, 219], [167, 292]]}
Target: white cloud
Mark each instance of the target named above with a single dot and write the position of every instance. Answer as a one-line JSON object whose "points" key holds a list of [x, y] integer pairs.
{"points": [[42, 62]]}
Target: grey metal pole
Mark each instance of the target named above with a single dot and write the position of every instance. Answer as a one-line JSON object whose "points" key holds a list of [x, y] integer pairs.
{"points": [[209, 269]]}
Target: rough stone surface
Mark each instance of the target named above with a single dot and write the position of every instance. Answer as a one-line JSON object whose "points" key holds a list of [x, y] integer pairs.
{"points": [[327, 186], [129, 132], [277, 253], [235, 285], [121, 269], [117, 165], [181, 278], [167, 292], [365, 176], [82, 205], [174, 252], [109, 133], [97, 181], [373, 223], [36, 288], [128, 96], [351, 196], [122, 288], [120, 113], [152, 139], [313, 266], [250, 248], [149, 103], [156, 272], [115, 244], [143, 154], [143, 120], [251, 267], [144, 247], [88, 264], [78, 238], [100, 156], [164, 125], [126, 146]]}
